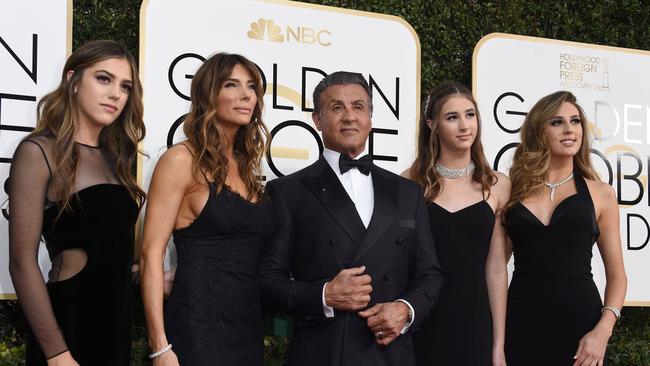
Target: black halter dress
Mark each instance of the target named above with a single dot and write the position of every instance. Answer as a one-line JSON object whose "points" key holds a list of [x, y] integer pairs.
{"points": [[552, 300]]}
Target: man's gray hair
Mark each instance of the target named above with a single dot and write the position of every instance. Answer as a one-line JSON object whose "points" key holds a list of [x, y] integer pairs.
{"points": [[341, 78]]}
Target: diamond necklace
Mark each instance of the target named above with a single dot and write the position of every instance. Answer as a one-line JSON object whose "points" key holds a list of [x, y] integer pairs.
{"points": [[455, 173], [553, 186]]}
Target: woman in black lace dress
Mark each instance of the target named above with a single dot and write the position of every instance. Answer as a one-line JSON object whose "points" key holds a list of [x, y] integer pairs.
{"points": [[465, 198], [206, 193], [557, 210], [71, 182]]}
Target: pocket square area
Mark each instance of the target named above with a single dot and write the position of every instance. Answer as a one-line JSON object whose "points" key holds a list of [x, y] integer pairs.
{"points": [[407, 223]]}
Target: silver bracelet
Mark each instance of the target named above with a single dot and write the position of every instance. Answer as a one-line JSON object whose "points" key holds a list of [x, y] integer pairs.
{"points": [[163, 350], [617, 313]]}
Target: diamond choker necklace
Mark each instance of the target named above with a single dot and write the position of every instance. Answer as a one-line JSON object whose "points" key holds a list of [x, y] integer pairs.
{"points": [[455, 173], [553, 186]]}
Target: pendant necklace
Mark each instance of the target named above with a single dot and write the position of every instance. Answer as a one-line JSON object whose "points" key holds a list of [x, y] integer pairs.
{"points": [[553, 186], [455, 173]]}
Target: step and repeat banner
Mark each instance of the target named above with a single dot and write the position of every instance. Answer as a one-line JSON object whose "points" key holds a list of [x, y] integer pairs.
{"points": [[294, 45], [510, 73], [35, 40]]}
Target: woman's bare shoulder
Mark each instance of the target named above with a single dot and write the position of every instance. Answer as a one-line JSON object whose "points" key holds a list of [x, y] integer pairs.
{"points": [[406, 173], [601, 191], [501, 187]]}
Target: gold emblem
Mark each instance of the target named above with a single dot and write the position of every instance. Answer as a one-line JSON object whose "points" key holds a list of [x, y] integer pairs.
{"points": [[268, 27]]}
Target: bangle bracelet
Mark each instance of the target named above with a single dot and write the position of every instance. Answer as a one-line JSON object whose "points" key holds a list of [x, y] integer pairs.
{"points": [[162, 350], [617, 313]]}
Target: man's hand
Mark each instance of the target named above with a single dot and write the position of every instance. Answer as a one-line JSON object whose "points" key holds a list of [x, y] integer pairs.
{"points": [[386, 320], [349, 290]]}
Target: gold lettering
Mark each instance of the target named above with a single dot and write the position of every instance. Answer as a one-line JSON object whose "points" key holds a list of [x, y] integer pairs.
{"points": [[307, 36], [321, 40], [291, 32]]}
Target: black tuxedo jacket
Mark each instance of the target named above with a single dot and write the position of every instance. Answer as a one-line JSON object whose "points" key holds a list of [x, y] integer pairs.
{"points": [[318, 232]]}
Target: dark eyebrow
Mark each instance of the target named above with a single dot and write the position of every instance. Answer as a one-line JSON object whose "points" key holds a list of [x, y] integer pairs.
{"points": [[239, 81], [560, 117], [338, 101], [113, 76]]}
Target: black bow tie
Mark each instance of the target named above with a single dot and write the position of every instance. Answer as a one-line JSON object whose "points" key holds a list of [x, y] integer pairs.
{"points": [[364, 164]]}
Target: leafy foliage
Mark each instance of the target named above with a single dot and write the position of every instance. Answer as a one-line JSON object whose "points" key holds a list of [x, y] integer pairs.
{"points": [[449, 30]]}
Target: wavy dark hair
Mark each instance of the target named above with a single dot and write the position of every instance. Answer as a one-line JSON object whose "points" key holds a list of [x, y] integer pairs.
{"points": [[57, 116], [428, 151], [202, 130], [533, 156]]}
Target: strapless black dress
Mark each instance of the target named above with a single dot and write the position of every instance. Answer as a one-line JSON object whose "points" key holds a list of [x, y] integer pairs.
{"points": [[459, 329]]}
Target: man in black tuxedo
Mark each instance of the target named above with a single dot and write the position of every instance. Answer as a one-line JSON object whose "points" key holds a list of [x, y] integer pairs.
{"points": [[352, 258]]}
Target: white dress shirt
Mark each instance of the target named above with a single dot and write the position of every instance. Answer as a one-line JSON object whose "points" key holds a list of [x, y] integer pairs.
{"points": [[362, 193], [356, 184]]}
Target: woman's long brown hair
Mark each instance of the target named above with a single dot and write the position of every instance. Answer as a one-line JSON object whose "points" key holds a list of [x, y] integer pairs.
{"points": [[203, 134], [532, 157], [57, 116], [423, 169]]}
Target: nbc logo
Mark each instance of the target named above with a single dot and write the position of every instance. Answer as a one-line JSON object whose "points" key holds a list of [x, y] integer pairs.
{"points": [[266, 29]]}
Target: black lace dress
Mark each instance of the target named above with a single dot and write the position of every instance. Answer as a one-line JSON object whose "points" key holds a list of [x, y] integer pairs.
{"points": [[213, 316], [85, 307], [552, 300]]}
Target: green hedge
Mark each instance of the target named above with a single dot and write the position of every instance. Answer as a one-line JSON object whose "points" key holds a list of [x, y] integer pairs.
{"points": [[448, 32]]}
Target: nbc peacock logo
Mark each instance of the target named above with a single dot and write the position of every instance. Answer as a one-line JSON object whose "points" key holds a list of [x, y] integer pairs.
{"points": [[266, 28]]}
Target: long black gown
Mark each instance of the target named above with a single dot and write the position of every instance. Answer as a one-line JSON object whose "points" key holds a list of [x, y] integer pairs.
{"points": [[459, 329], [86, 305], [552, 300], [213, 316]]}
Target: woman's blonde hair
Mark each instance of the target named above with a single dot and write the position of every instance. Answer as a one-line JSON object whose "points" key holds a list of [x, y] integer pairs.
{"points": [[57, 113], [201, 126], [423, 169], [533, 156]]}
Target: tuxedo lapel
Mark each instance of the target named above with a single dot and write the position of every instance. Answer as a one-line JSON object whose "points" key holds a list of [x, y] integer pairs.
{"points": [[329, 191], [383, 214]]}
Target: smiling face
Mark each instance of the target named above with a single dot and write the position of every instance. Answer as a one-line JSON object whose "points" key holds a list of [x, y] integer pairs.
{"points": [[344, 118], [457, 124], [102, 91], [564, 131], [236, 100]]}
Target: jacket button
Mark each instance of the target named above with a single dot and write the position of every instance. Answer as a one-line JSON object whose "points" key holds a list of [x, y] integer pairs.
{"points": [[399, 240], [332, 242], [387, 277]]}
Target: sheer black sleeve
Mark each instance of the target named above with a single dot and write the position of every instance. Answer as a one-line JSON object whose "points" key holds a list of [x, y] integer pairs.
{"points": [[28, 184]]}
